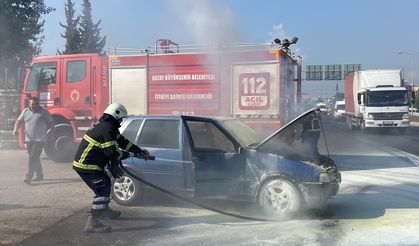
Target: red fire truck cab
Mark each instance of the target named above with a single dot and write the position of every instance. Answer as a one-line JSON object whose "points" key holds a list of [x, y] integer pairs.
{"points": [[255, 83]]}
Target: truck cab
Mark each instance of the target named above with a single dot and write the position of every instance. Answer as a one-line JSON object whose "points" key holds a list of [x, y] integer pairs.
{"points": [[385, 106], [70, 88]]}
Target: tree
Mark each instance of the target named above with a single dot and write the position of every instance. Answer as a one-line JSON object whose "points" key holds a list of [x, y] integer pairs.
{"points": [[91, 41], [72, 31], [20, 28], [21, 36]]}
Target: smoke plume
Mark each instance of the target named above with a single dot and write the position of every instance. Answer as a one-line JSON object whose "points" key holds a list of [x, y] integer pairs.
{"points": [[205, 22]]}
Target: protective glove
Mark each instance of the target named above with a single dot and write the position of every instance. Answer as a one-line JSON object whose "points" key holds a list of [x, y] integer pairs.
{"points": [[125, 155], [115, 170], [144, 154]]}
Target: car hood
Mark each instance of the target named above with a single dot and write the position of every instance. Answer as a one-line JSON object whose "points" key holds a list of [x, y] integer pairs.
{"points": [[296, 140]]}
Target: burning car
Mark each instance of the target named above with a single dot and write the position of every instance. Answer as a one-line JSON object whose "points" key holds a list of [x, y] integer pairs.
{"points": [[221, 157]]}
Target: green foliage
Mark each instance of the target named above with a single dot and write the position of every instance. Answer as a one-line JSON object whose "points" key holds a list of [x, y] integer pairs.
{"points": [[91, 40], [72, 33], [20, 28], [21, 36]]}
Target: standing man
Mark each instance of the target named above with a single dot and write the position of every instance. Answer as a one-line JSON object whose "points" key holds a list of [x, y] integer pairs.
{"points": [[100, 147], [37, 121]]}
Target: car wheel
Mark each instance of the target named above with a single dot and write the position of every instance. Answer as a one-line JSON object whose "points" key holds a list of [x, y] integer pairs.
{"points": [[279, 198], [127, 191]]}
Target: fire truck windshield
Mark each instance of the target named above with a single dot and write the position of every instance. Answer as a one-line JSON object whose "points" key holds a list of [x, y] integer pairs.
{"points": [[387, 98], [41, 74]]}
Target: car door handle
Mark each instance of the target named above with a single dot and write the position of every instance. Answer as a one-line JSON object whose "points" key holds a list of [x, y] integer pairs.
{"points": [[87, 100], [198, 158]]}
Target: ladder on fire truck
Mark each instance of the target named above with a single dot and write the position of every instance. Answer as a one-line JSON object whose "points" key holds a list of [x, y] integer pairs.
{"points": [[166, 46]]}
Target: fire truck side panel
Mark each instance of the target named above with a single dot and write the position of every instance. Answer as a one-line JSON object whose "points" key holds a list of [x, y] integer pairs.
{"points": [[183, 89], [255, 89], [129, 87], [100, 85]]}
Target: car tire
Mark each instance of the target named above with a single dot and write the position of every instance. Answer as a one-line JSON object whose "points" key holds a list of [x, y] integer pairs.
{"points": [[279, 198], [127, 191]]}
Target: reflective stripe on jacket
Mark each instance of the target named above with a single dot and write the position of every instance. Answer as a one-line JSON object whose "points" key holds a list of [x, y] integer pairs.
{"points": [[100, 145]]}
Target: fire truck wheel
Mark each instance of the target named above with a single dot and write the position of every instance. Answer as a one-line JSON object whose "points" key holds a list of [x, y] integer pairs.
{"points": [[60, 146], [279, 198], [127, 191]]}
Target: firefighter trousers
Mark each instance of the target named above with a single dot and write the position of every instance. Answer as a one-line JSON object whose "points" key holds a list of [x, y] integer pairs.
{"points": [[100, 184]]}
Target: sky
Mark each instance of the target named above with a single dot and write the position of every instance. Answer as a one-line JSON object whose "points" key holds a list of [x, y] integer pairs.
{"points": [[366, 32]]}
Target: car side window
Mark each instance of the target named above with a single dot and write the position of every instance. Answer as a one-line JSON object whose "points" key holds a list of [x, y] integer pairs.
{"points": [[131, 130], [76, 71], [160, 134], [205, 135]]}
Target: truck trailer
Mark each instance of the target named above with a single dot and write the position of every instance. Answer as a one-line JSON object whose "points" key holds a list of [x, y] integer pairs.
{"points": [[377, 99], [257, 83]]}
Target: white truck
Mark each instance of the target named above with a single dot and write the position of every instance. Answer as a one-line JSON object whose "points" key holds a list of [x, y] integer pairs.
{"points": [[377, 99]]}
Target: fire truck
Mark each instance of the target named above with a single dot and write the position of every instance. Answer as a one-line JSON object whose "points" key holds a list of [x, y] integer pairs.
{"points": [[259, 83]]}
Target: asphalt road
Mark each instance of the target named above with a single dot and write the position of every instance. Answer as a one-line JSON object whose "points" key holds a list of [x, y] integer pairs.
{"points": [[378, 204]]}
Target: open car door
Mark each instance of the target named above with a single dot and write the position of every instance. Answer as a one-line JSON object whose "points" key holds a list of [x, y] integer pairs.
{"points": [[216, 157]]}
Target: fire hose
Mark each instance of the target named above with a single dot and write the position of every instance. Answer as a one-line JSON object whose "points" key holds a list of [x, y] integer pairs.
{"points": [[185, 198]]}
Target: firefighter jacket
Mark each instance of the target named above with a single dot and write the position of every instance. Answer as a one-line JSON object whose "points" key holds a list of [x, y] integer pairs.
{"points": [[100, 145]]}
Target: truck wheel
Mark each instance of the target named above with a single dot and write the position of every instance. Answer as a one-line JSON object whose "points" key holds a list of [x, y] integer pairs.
{"points": [[60, 146], [279, 198], [127, 191]]}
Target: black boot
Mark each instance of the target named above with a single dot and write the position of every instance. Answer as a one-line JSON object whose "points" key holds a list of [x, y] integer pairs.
{"points": [[94, 225], [109, 213]]}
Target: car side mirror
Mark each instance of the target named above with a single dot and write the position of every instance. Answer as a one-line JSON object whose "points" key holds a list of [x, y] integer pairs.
{"points": [[359, 98]]}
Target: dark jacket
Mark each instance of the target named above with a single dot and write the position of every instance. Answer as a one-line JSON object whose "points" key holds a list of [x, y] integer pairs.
{"points": [[100, 145]]}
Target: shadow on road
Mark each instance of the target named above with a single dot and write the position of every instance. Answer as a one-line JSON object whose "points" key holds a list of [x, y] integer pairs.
{"points": [[372, 201], [69, 231]]}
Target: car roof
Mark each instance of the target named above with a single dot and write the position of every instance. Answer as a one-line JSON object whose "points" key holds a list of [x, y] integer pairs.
{"points": [[209, 117]]}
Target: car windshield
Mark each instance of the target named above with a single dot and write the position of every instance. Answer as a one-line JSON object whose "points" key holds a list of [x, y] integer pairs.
{"points": [[41, 74], [387, 98], [340, 107], [243, 133]]}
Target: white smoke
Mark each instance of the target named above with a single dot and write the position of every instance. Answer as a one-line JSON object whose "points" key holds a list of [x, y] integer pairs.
{"points": [[204, 21], [278, 31]]}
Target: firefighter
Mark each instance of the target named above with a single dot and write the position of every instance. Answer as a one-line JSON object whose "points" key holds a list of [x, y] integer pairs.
{"points": [[310, 136], [100, 148]]}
